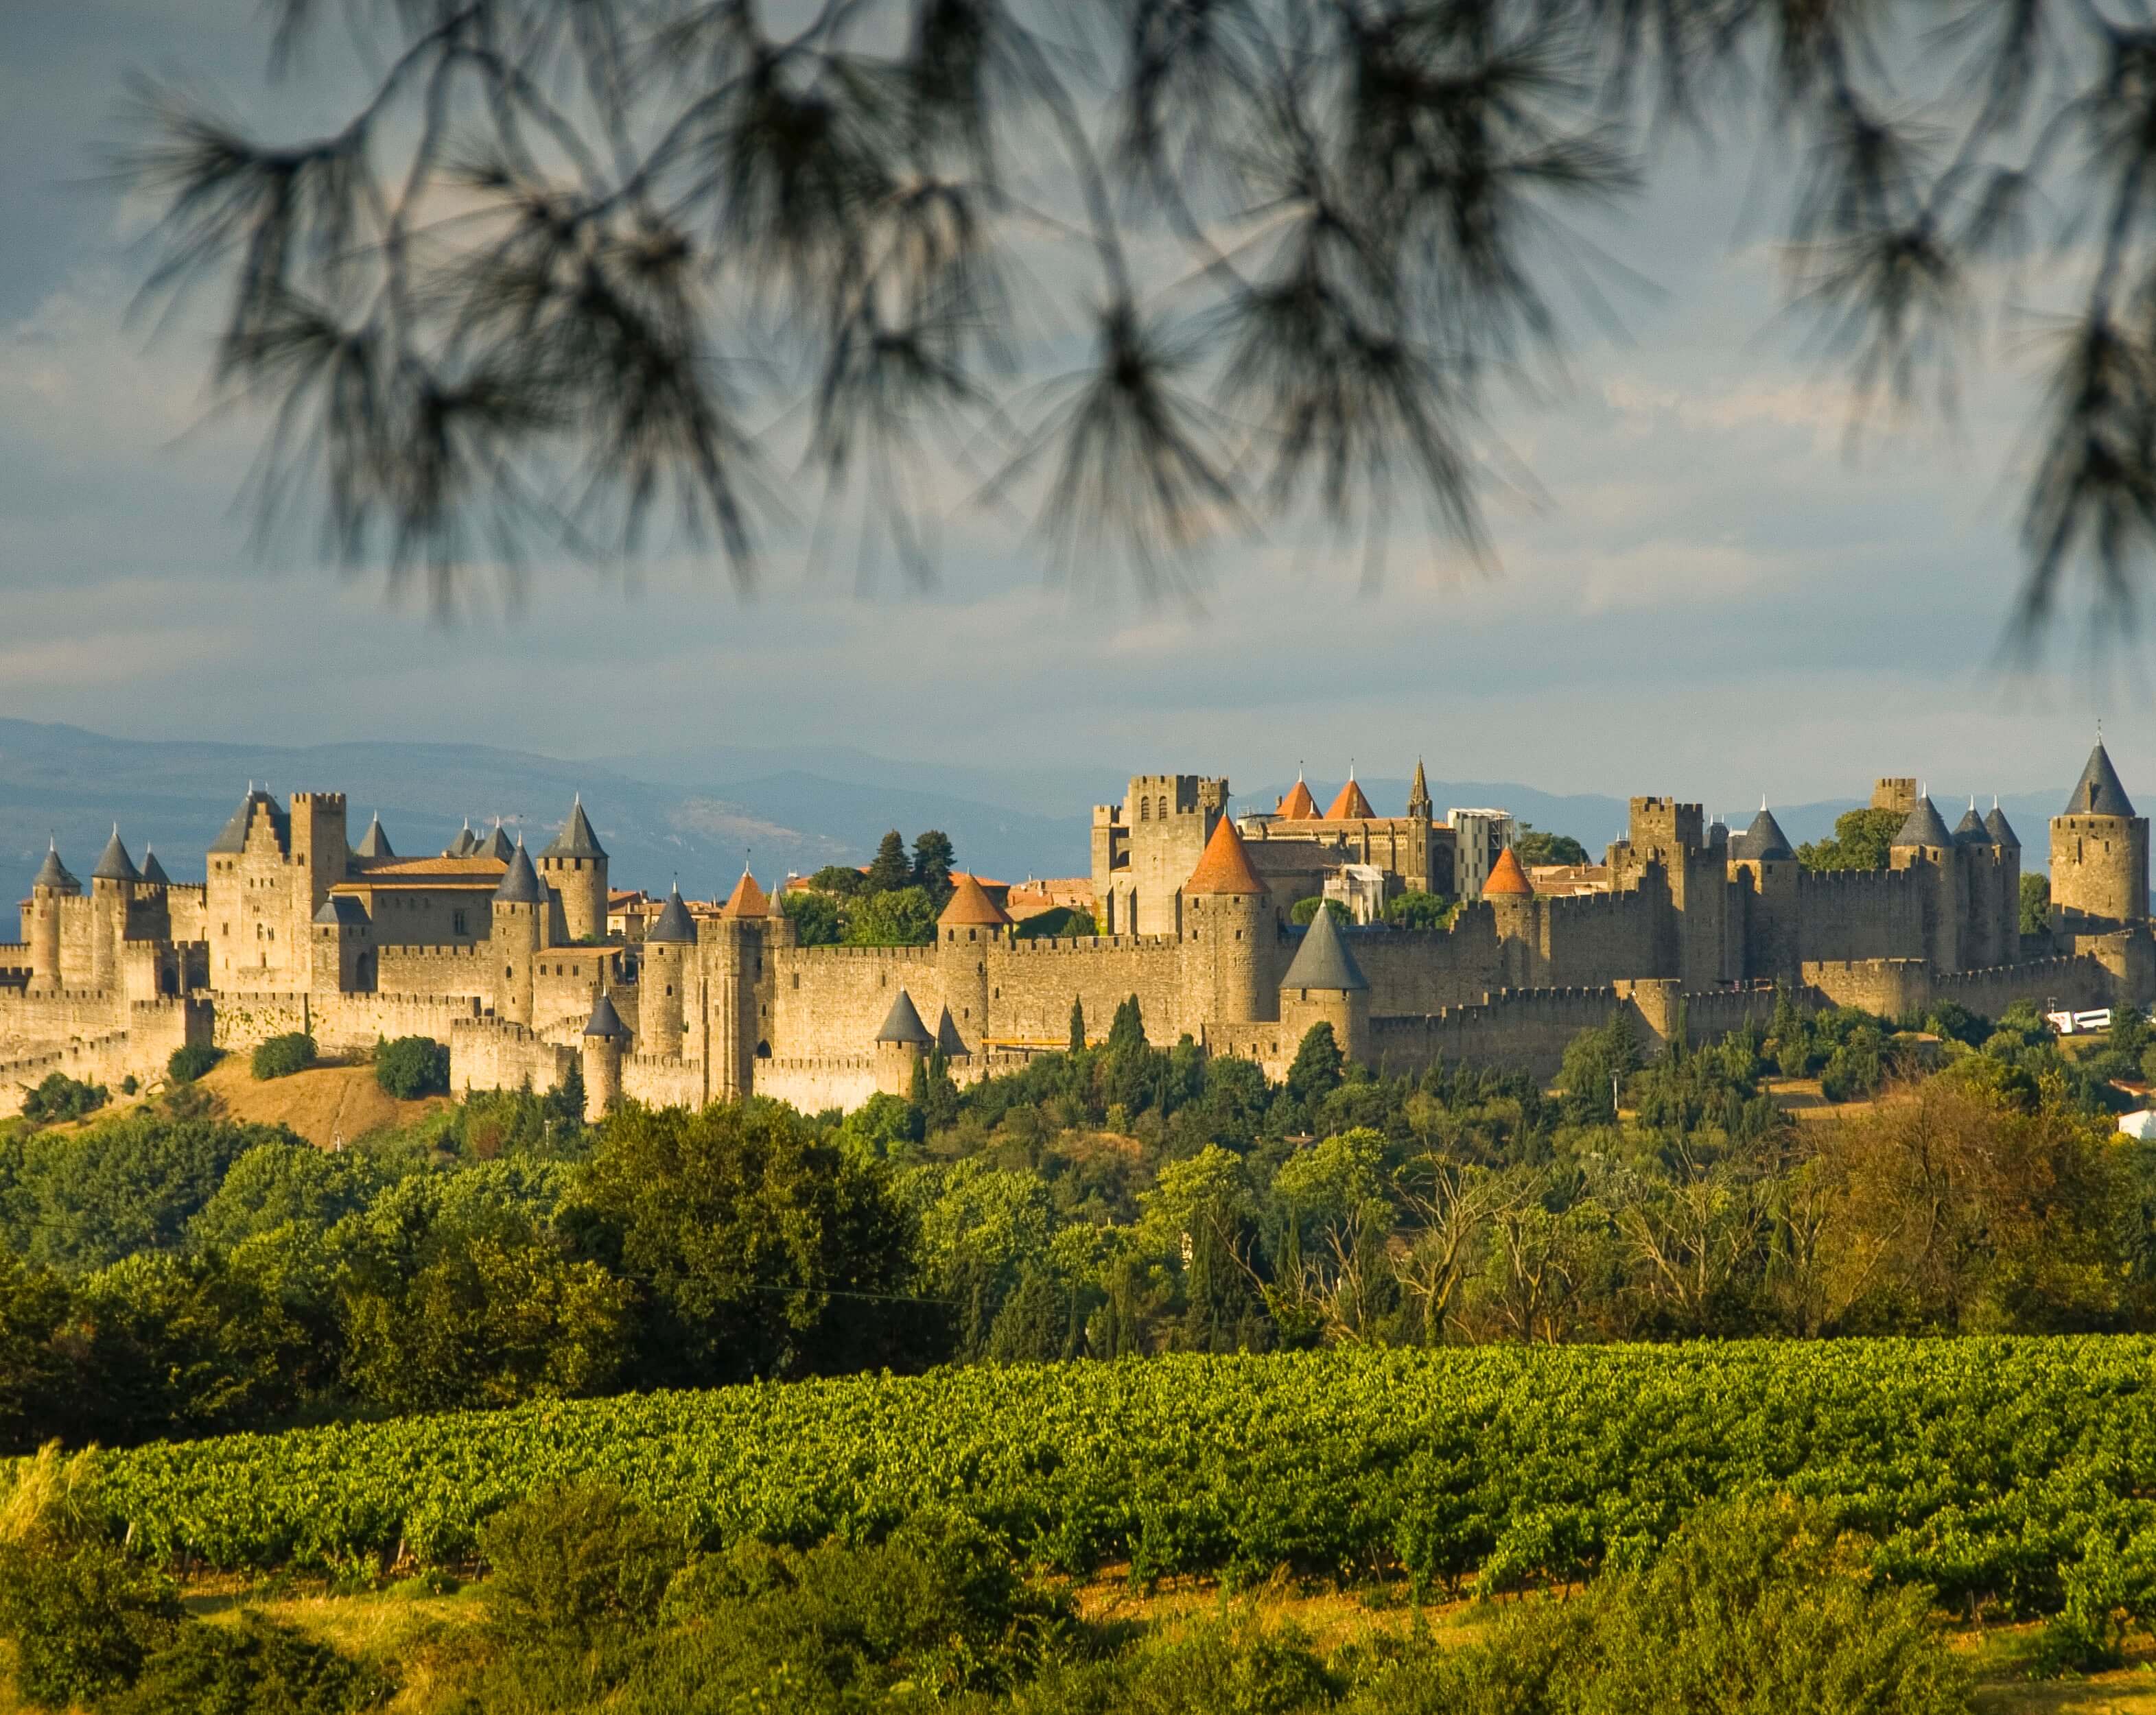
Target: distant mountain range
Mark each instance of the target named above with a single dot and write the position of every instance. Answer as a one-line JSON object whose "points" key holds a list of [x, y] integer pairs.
{"points": [[697, 815]]}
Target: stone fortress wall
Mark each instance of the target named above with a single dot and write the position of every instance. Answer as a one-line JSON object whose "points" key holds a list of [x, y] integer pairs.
{"points": [[494, 952]]}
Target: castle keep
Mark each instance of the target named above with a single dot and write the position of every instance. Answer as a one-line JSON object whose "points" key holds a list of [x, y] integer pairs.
{"points": [[507, 958]]}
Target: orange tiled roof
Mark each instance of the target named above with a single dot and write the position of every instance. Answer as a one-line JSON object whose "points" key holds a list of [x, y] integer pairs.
{"points": [[1298, 806], [747, 899], [970, 905], [1225, 866], [425, 871], [1350, 805], [1506, 877]]}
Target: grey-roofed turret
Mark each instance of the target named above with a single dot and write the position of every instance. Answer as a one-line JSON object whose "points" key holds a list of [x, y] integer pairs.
{"points": [[340, 911], [519, 882], [494, 844], [1971, 829], [114, 864], [902, 1024], [53, 874], [673, 925], [232, 839], [465, 844], [2000, 829], [576, 838], [605, 1022], [2099, 791], [374, 843], [1323, 960], [575, 866], [1924, 825], [1763, 840], [153, 871]]}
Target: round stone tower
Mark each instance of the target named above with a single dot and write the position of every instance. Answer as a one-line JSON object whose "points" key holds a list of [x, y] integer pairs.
{"points": [[972, 923], [2099, 855], [1511, 896], [1923, 843], [520, 907], [900, 1045], [1325, 985], [52, 885], [666, 950], [1230, 927], [574, 865], [606, 1038], [747, 927], [111, 891]]}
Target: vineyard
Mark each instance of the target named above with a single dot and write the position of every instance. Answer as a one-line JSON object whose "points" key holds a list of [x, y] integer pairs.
{"points": [[1996, 1470]]}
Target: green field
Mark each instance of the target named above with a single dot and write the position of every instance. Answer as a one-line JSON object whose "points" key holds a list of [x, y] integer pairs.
{"points": [[1992, 1469]]}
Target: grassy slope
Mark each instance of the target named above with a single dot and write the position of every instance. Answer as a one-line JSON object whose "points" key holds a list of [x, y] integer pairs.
{"points": [[416, 1637]]}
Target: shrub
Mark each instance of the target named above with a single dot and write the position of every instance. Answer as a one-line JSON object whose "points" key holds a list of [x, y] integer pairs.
{"points": [[192, 1061], [577, 1564], [280, 1056], [412, 1067], [60, 1097], [254, 1667], [83, 1620]]}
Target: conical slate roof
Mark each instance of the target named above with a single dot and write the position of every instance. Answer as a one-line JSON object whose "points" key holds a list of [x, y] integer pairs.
{"points": [[1506, 877], [1298, 806], [1323, 962], [605, 1020], [576, 838], [1971, 829], [2098, 792], [1924, 826], [115, 864], [1225, 867], [232, 839], [673, 924], [53, 873], [519, 882], [1351, 805], [1764, 839], [494, 844], [373, 844], [903, 1024], [2000, 829], [747, 899], [153, 871], [466, 842], [971, 906]]}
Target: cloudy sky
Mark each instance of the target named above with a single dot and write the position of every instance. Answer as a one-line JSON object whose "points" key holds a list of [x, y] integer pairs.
{"points": [[1712, 597]]}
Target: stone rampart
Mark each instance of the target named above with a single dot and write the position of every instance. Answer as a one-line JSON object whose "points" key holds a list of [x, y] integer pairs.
{"points": [[844, 1081], [493, 1054], [155, 1028]]}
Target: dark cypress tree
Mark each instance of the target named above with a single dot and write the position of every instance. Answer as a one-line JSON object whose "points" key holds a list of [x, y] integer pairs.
{"points": [[892, 869], [932, 857], [1077, 1026], [1316, 1072]]}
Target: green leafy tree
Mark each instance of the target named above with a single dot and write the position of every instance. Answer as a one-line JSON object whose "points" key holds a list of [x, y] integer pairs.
{"points": [[1303, 911], [841, 881], [35, 1375], [756, 1248], [578, 1565], [1534, 845], [59, 1096], [412, 1067], [892, 869], [1862, 839], [2035, 904], [815, 915], [902, 918], [1597, 1065], [188, 1063], [1416, 909]]}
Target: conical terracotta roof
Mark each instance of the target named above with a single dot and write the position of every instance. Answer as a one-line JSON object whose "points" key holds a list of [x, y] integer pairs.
{"points": [[1350, 805], [1298, 806], [747, 899], [1506, 877], [1225, 866], [971, 906]]}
